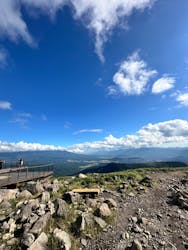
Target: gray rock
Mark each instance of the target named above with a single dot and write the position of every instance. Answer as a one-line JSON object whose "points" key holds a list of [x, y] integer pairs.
{"points": [[12, 225], [63, 238], [25, 194], [83, 242], [5, 205], [51, 207], [71, 197], [8, 194], [28, 239], [104, 210], [82, 176], [60, 208], [45, 197], [35, 187], [100, 222], [40, 243], [40, 224], [33, 218], [136, 245], [111, 203], [41, 210]]}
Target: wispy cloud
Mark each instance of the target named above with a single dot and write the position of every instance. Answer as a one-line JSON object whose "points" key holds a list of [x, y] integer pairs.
{"points": [[67, 125], [132, 77], [163, 84], [96, 130], [3, 58], [99, 17], [5, 105]]}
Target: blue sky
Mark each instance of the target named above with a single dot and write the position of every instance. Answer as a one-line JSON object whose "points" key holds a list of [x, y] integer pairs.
{"points": [[86, 76]]}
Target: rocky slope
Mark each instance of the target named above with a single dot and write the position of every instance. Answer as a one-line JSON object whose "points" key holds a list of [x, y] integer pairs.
{"points": [[137, 209]]}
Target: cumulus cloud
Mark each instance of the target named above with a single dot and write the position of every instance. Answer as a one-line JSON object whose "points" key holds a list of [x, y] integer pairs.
{"points": [[173, 133], [163, 84], [132, 77], [5, 105], [95, 130], [24, 146], [100, 17], [182, 99]]}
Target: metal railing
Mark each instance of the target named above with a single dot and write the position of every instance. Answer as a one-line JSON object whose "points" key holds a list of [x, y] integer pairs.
{"points": [[15, 175]]}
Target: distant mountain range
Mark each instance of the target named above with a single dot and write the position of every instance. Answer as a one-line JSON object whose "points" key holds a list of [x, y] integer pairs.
{"points": [[67, 163]]}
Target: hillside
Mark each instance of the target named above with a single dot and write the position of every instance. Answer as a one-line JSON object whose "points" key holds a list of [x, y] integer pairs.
{"points": [[134, 209], [115, 167]]}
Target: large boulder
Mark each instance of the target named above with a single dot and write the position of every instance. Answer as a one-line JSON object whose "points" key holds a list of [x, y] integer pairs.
{"points": [[63, 238], [35, 187], [27, 210], [60, 208], [25, 194], [40, 243], [8, 194], [71, 197], [40, 225]]}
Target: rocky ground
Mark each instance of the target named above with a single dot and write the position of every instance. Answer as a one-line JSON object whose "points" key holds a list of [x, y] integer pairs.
{"points": [[135, 210]]}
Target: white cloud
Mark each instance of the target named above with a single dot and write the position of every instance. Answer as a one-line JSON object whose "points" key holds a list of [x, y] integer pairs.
{"points": [[5, 105], [182, 99], [173, 133], [163, 84], [12, 24], [3, 58], [132, 76], [95, 130], [100, 17], [24, 146]]}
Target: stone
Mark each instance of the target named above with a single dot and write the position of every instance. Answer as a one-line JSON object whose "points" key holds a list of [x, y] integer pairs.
{"points": [[41, 210], [82, 176], [8, 194], [40, 224], [136, 245], [83, 242], [71, 197], [63, 238], [51, 207], [60, 208], [5, 205], [25, 194], [34, 187], [28, 239], [33, 218], [45, 197], [12, 225], [100, 222], [40, 243], [104, 210], [12, 242], [79, 224], [111, 203]]}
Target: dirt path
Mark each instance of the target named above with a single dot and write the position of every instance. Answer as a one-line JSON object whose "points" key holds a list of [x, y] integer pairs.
{"points": [[148, 216]]}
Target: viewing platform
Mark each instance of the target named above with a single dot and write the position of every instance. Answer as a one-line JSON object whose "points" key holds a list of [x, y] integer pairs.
{"points": [[13, 176]]}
